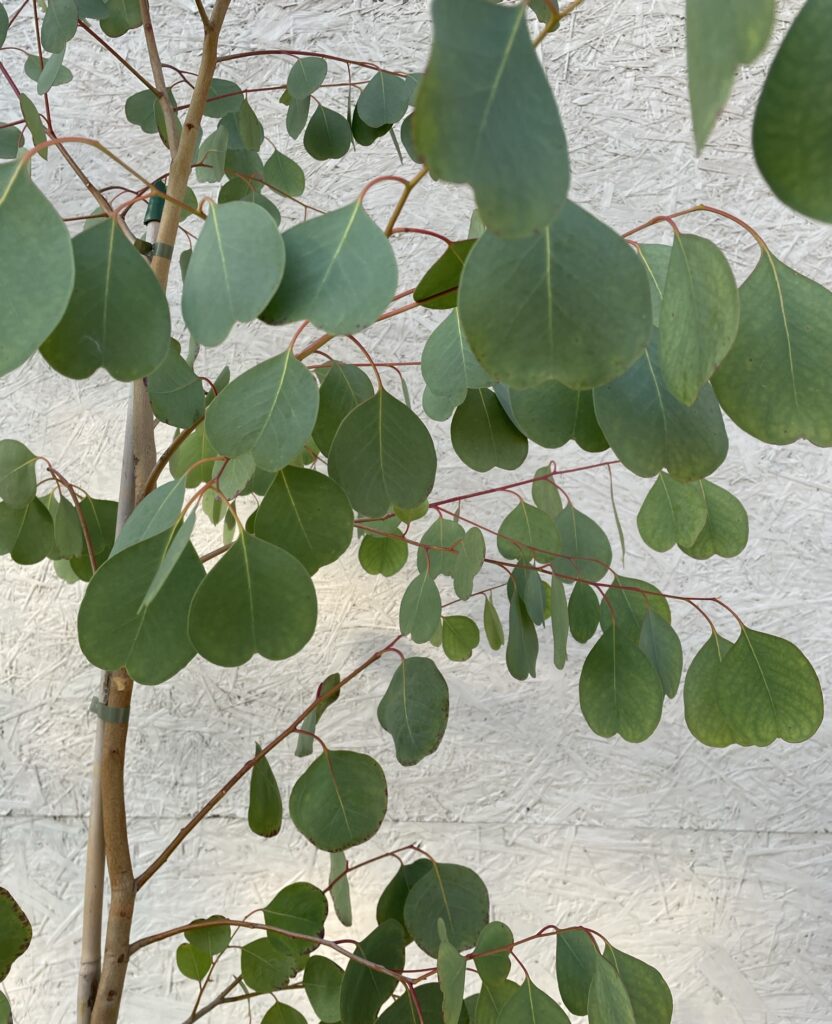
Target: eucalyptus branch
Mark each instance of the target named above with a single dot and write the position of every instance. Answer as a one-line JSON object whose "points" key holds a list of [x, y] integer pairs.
{"points": [[171, 127], [119, 57]]}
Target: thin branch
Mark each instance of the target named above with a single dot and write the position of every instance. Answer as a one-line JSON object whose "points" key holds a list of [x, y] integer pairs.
{"points": [[171, 126], [122, 60]]}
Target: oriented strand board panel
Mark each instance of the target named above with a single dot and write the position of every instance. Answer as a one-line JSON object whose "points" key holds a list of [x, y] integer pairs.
{"points": [[713, 865]]}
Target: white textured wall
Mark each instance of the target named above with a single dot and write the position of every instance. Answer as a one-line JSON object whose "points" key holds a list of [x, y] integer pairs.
{"points": [[713, 865]]}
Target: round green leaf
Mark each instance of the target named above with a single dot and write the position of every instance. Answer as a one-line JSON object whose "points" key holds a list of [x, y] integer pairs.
{"points": [[211, 940], [620, 691], [175, 391], [264, 967], [118, 315], [300, 908], [460, 636], [420, 609], [647, 990], [322, 981], [699, 316], [224, 97], [392, 900], [429, 997], [522, 647], [626, 603], [608, 1002], [383, 555], [383, 100], [15, 932], [269, 410], [485, 115], [469, 561], [235, 269], [265, 808], [529, 1005], [342, 389], [257, 599], [449, 367], [495, 967], [441, 543], [658, 640], [308, 515], [768, 690], [364, 991], [451, 892], [438, 288], [649, 429], [156, 513], [492, 626], [672, 513], [116, 627], [528, 535], [584, 549], [542, 293], [194, 963], [792, 127], [383, 455], [27, 533], [283, 174], [725, 531], [60, 23], [18, 483], [282, 1013], [704, 713], [340, 273], [340, 800], [546, 414], [583, 612], [576, 959], [37, 266], [328, 134], [305, 76], [774, 381], [483, 436], [414, 710]]}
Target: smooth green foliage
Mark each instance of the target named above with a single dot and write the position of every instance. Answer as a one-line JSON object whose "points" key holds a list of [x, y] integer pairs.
{"points": [[485, 115], [584, 549], [451, 970], [340, 800], [469, 561], [542, 292], [306, 514], [672, 513], [193, 962], [439, 547], [282, 1013], [175, 391], [343, 388], [627, 602], [528, 535], [529, 1005], [265, 808], [414, 709], [305, 76], [429, 996], [550, 414], [620, 691], [11, 139], [69, 538], [296, 116], [118, 315], [449, 367], [300, 908], [492, 625], [195, 449], [658, 640], [491, 1000], [773, 382], [699, 317], [269, 410], [608, 1002], [483, 436], [212, 156], [454, 893], [100, 517], [720, 37], [15, 932], [532, 592], [438, 288], [224, 97], [559, 612], [257, 599], [420, 609], [211, 940], [649, 996], [235, 269], [328, 134], [768, 690], [17, 474], [649, 429], [330, 690], [116, 627], [576, 959], [384, 100], [283, 174], [495, 967], [322, 979], [392, 900], [59, 25], [460, 637], [792, 129], [545, 493], [704, 712], [26, 534], [364, 991], [37, 267], [725, 532], [522, 647], [583, 612], [340, 272], [384, 553], [157, 513], [263, 967], [383, 455], [339, 892]]}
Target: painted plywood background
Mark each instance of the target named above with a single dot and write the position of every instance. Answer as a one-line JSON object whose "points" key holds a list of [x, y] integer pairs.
{"points": [[713, 865]]}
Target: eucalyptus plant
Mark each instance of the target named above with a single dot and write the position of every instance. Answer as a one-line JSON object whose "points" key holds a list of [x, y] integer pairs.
{"points": [[555, 329]]}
